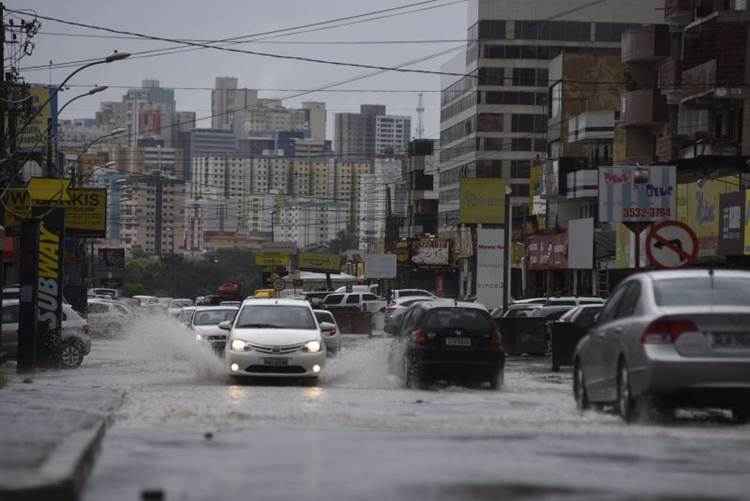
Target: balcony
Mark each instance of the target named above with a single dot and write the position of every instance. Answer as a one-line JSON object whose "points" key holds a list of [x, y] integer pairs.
{"points": [[645, 45], [643, 108], [706, 82], [582, 184], [670, 80], [592, 126], [678, 11]]}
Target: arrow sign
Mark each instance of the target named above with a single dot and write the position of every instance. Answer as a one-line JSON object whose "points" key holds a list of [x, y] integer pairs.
{"points": [[671, 244]]}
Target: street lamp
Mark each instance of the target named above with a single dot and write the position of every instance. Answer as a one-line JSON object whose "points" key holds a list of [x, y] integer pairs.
{"points": [[117, 56], [93, 91]]}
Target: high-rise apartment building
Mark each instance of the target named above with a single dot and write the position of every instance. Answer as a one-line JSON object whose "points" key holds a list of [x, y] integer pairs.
{"points": [[227, 99], [496, 117], [317, 119], [392, 135], [371, 132]]}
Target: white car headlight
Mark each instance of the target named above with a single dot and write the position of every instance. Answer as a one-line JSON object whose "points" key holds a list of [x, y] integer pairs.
{"points": [[312, 346], [198, 337], [239, 345]]}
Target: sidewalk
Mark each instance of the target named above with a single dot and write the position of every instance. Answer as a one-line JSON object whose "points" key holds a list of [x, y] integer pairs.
{"points": [[49, 434]]}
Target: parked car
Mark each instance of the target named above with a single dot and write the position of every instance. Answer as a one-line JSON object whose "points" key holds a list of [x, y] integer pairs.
{"points": [[669, 339], [231, 303], [572, 300], [353, 301], [186, 315], [400, 293], [568, 330], [529, 333], [103, 292], [331, 336], [205, 324], [176, 305], [275, 337], [315, 298], [76, 342], [447, 340], [144, 301], [107, 317], [394, 311]]}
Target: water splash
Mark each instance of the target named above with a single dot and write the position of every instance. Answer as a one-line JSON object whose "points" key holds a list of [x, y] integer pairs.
{"points": [[364, 365]]}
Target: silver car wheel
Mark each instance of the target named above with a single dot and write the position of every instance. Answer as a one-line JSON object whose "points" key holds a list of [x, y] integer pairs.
{"points": [[71, 355]]}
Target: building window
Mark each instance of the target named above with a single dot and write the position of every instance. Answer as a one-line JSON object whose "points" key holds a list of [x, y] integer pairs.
{"points": [[492, 30], [491, 76], [528, 123], [567, 31], [520, 144], [612, 32], [520, 169], [490, 122], [530, 77]]}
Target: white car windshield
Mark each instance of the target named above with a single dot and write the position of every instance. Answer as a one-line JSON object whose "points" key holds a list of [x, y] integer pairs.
{"points": [[213, 317], [275, 317]]}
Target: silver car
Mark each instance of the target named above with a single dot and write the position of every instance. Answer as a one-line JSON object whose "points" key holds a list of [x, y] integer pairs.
{"points": [[669, 339], [331, 335]]}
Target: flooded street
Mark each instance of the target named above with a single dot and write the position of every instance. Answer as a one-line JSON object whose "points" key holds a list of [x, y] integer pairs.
{"points": [[358, 434]]}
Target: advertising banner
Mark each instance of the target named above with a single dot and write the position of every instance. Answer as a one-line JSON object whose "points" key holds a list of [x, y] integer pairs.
{"points": [[698, 207], [430, 252], [34, 137], [547, 252], [637, 194], [731, 227], [581, 244], [50, 275], [380, 266], [272, 258], [490, 257], [482, 201], [323, 263], [85, 210]]}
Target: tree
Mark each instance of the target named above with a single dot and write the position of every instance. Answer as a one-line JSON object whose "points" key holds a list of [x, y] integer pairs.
{"points": [[344, 241]]}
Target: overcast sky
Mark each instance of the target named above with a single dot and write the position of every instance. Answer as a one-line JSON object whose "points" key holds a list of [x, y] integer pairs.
{"points": [[199, 19]]}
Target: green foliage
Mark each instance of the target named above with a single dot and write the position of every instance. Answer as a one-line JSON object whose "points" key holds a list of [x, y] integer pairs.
{"points": [[176, 276]]}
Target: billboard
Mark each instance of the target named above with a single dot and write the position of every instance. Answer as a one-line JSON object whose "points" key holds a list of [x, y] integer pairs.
{"points": [[731, 227], [698, 207], [324, 263], [581, 244], [637, 194], [547, 252], [430, 252], [482, 201], [34, 137], [85, 210], [272, 258], [490, 257], [380, 266]]}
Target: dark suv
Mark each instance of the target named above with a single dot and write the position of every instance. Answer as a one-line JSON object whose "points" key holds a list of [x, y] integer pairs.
{"points": [[447, 340]]}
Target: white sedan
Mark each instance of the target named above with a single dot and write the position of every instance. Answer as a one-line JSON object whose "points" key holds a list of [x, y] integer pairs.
{"points": [[275, 337]]}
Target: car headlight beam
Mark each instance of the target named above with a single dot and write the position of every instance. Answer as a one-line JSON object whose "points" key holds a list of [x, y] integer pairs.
{"points": [[312, 346]]}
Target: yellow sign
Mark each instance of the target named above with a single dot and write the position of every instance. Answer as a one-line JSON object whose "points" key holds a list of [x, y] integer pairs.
{"points": [[698, 207], [265, 293], [46, 189], [272, 258], [326, 263], [34, 136], [85, 210], [482, 201]]}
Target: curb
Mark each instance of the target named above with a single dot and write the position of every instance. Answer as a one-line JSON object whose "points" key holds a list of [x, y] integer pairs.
{"points": [[64, 473]]}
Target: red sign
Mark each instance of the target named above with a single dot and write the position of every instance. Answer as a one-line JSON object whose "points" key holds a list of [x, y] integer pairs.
{"points": [[547, 252], [671, 244]]}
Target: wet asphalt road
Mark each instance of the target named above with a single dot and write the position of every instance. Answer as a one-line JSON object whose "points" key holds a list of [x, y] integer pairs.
{"points": [[186, 430]]}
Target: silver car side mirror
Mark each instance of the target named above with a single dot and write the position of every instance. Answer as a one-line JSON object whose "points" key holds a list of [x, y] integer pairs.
{"points": [[226, 325], [327, 326]]}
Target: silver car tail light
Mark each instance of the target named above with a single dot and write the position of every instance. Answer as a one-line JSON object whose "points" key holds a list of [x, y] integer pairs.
{"points": [[667, 331]]}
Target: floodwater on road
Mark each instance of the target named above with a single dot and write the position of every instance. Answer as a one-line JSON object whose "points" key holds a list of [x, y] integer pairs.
{"points": [[185, 427]]}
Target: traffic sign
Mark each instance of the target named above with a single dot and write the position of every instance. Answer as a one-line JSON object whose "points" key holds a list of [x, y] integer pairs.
{"points": [[671, 244], [279, 284]]}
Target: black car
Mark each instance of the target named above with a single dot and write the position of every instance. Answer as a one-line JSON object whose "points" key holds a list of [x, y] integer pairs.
{"points": [[568, 330], [529, 334], [447, 340]]}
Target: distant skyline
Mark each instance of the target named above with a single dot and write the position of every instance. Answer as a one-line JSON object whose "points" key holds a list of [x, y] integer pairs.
{"points": [[188, 19]]}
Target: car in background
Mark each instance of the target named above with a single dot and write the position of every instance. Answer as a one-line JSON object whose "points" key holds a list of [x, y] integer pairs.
{"points": [[144, 301], [531, 300], [103, 292], [275, 337], [396, 294], [186, 315], [572, 300], [568, 330], [107, 317], [354, 301], [231, 303], [331, 336], [372, 288], [176, 305], [394, 311], [205, 325], [76, 342], [315, 298], [668, 339], [447, 340], [528, 333]]}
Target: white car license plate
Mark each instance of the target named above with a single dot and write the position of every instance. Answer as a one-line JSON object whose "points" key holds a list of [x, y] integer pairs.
{"points": [[457, 341], [730, 341], [276, 362]]}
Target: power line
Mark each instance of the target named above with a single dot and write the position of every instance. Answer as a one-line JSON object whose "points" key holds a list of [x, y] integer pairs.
{"points": [[262, 89], [314, 27]]}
